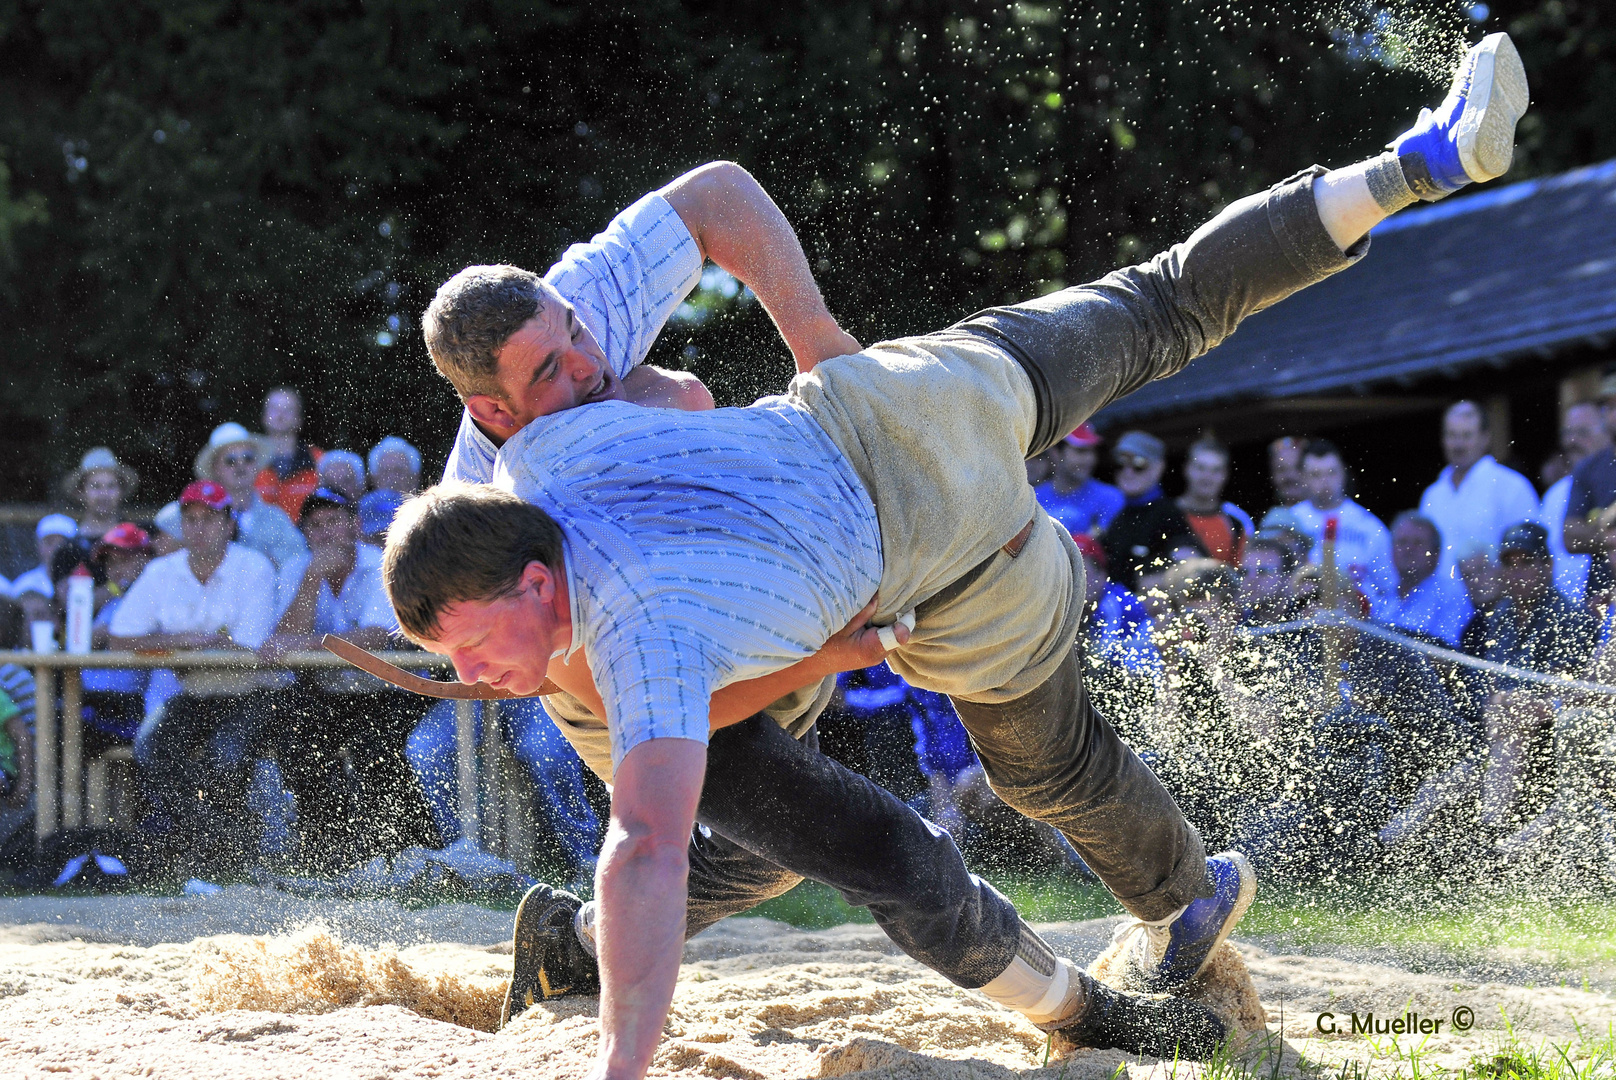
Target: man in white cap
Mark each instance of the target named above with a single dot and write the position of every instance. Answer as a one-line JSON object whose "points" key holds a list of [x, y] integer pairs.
{"points": [[50, 534], [233, 458]]}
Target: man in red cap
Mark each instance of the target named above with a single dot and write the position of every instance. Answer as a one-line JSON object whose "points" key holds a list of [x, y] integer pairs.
{"points": [[211, 594], [1072, 496]]}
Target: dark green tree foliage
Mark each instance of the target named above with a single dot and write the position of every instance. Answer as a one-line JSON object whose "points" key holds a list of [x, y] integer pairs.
{"points": [[207, 199]]}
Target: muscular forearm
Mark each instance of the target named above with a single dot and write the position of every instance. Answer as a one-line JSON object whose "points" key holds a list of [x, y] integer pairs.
{"points": [[740, 228], [741, 701], [642, 886]]}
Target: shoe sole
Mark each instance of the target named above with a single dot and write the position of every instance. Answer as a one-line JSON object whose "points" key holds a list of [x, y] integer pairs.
{"points": [[1242, 901], [525, 948], [1485, 133]]}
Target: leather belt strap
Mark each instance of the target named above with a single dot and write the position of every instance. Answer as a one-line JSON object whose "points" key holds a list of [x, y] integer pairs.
{"points": [[1012, 547], [372, 664]]}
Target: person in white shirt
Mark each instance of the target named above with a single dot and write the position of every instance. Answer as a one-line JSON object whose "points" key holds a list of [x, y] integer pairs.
{"points": [[194, 753], [1475, 499], [233, 459], [1430, 604], [339, 735], [1363, 544], [1582, 435], [50, 534]]}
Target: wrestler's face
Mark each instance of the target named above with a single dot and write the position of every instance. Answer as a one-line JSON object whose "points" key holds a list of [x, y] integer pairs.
{"points": [[553, 363], [507, 642]]}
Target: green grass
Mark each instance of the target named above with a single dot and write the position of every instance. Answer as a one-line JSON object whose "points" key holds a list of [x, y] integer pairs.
{"points": [[1565, 934]]}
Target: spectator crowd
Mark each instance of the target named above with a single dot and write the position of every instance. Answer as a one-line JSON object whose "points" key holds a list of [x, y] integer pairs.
{"points": [[1311, 744]]}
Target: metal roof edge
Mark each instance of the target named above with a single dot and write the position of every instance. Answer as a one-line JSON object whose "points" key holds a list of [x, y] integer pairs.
{"points": [[1416, 217]]}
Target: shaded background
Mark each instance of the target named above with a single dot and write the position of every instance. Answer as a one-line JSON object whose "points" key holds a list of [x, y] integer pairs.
{"points": [[202, 200]]}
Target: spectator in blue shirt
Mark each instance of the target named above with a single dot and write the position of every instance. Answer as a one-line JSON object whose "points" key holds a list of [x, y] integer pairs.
{"points": [[1072, 496], [1431, 602]]}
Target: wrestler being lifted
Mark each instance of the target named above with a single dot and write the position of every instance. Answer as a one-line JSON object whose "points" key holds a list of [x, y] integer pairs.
{"points": [[657, 564]]}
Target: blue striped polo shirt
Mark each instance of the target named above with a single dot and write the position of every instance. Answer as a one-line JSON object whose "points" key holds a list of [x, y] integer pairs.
{"points": [[702, 548], [624, 284]]}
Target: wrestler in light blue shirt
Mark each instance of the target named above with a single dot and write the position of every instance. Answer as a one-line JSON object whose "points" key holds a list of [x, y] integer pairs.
{"points": [[624, 285], [702, 549]]}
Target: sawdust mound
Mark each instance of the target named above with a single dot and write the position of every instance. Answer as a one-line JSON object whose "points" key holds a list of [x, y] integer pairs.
{"points": [[311, 971], [1225, 987]]}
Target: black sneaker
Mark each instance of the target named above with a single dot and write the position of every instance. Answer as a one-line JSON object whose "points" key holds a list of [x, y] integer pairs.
{"points": [[1156, 1027], [549, 961]]}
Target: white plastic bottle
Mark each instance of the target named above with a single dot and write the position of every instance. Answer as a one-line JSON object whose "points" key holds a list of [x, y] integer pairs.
{"points": [[80, 610]]}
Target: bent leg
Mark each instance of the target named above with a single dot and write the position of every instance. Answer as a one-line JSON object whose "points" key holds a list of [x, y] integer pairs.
{"points": [[1055, 759], [793, 807], [1089, 345]]}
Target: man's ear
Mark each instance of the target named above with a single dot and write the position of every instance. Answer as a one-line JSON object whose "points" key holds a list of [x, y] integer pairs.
{"points": [[541, 579], [492, 413]]}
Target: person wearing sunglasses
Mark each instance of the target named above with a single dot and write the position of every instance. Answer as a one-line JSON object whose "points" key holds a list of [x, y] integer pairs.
{"points": [[233, 459]]}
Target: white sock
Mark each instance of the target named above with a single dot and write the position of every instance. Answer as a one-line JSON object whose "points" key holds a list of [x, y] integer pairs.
{"points": [[1041, 986], [583, 924], [1353, 200]]}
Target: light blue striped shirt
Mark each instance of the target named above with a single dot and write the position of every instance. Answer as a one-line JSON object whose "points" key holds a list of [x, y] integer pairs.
{"points": [[624, 284], [702, 548]]}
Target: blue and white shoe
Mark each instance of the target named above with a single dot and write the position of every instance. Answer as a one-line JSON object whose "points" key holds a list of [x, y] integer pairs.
{"points": [[1471, 136], [1165, 958]]}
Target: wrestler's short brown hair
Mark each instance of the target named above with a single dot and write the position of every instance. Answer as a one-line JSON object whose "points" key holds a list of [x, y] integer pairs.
{"points": [[473, 314], [457, 542]]}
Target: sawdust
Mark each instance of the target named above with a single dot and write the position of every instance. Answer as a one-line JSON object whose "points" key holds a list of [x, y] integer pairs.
{"points": [[312, 972], [756, 1001], [1225, 987]]}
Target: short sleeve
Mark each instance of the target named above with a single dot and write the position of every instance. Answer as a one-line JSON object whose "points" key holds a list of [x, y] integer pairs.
{"points": [[656, 680], [628, 280]]}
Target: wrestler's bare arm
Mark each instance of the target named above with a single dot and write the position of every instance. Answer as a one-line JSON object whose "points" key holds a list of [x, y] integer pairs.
{"points": [[857, 645], [642, 882], [737, 226]]}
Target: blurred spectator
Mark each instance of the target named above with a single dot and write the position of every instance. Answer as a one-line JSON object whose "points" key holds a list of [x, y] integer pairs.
{"points": [[343, 471], [170, 535], [1040, 468], [194, 754], [376, 511], [1222, 527], [1072, 496], [1363, 546], [99, 486], [232, 458], [1507, 780], [16, 727], [340, 733], [395, 465], [1265, 585], [50, 534], [1118, 630], [1533, 626], [1430, 602], [568, 819], [1285, 473], [1593, 488], [1150, 526], [1475, 499], [1582, 435], [288, 473]]}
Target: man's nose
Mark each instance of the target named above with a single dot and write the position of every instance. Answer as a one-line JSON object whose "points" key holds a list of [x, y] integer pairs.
{"points": [[467, 669]]}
